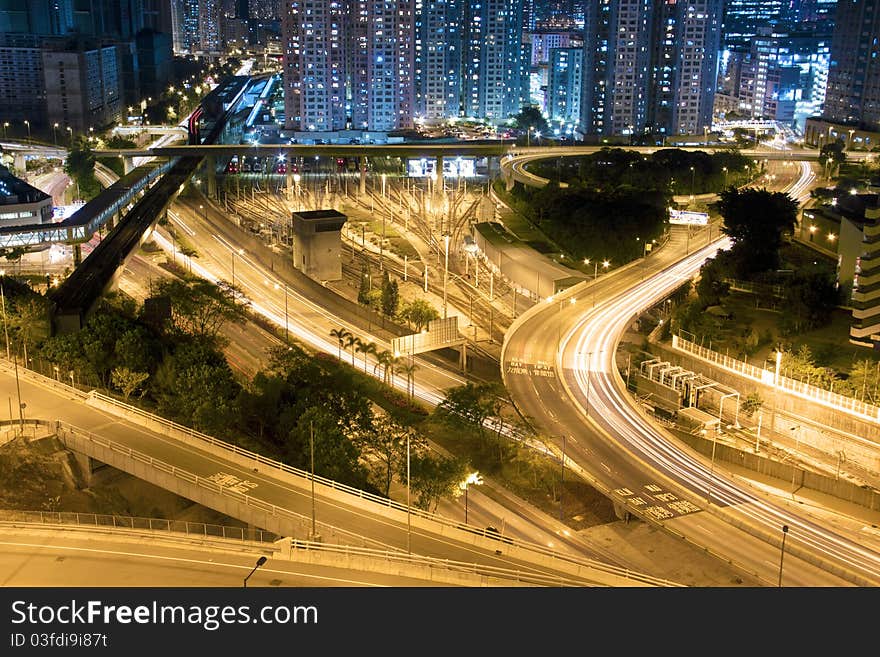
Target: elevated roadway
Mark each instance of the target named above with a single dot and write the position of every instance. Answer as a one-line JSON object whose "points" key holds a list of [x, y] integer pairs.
{"points": [[559, 364], [213, 473]]}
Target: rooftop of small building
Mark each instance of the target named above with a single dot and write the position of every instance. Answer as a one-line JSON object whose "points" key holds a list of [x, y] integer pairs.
{"points": [[312, 215], [16, 190]]}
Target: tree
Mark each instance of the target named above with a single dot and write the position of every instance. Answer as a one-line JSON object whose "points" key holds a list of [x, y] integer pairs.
{"points": [[29, 320], [341, 334], [127, 380], [390, 296], [366, 348], [386, 443], [351, 342], [756, 221], [364, 288], [434, 477], [80, 166], [201, 308], [470, 405], [336, 455], [751, 403], [530, 118], [418, 313]]}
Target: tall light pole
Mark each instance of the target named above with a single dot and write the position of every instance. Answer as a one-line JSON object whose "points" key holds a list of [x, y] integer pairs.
{"points": [[240, 252], [286, 333], [28, 124], [782, 552], [472, 478], [445, 272], [693, 174], [408, 520], [712, 466], [70, 135], [312, 450], [55, 133], [3, 299], [5, 126], [260, 562]]}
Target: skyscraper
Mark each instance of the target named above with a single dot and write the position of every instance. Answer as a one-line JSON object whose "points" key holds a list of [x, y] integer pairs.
{"points": [[493, 67], [314, 76], [438, 58], [742, 18], [649, 66], [853, 93]]}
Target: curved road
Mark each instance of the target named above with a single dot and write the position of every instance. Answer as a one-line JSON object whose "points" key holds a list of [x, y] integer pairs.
{"points": [[559, 365]]}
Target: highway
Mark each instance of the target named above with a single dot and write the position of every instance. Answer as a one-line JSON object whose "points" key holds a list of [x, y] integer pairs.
{"points": [[340, 514], [559, 364]]}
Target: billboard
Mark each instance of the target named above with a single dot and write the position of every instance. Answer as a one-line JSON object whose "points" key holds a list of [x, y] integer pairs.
{"points": [[441, 333], [686, 218]]}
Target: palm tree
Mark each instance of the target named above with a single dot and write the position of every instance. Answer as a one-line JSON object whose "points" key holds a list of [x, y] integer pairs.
{"points": [[351, 342], [409, 369], [382, 358], [341, 334], [366, 348]]}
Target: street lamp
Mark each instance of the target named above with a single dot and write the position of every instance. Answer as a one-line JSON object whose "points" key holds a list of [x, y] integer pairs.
{"points": [[693, 174], [286, 335], [782, 552], [70, 130], [3, 300], [472, 478], [260, 562], [445, 272], [383, 185], [240, 252], [724, 169], [55, 133], [28, 124], [5, 126]]}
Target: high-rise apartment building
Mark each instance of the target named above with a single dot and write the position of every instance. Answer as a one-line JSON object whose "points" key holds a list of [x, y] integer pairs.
{"points": [[853, 94], [314, 71], [564, 85], [382, 64], [196, 25], [743, 18], [438, 58], [494, 80], [649, 66]]}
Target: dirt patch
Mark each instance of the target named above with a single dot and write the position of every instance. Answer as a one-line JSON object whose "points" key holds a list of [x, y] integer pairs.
{"points": [[42, 475]]}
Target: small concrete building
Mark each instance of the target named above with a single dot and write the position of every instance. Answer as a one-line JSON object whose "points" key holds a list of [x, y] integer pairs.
{"points": [[317, 243]]}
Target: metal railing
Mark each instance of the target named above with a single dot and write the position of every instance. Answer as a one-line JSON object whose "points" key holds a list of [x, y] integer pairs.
{"points": [[799, 388], [103, 521], [71, 433], [462, 567]]}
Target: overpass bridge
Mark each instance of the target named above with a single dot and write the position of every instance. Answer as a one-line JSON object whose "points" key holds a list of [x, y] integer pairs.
{"points": [[278, 498], [74, 300]]}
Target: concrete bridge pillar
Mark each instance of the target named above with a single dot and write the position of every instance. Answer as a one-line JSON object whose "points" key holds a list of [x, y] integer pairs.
{"points": [[621, 512], [211, 174], [362, 189], [438, 171], [77, 255], [20, 165], [84, 464], [127, 163]]}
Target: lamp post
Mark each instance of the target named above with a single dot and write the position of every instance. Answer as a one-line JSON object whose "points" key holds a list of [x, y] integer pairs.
{"points": [[408, 519], [28, 124], [445, 272], [55, 133], [70, 135], [383, 185], [3, 300], [286, 333], [260, 562], [693, 174], [5, 126], [712, 466], [472, 478], [782, 552], [724, 169], [240, 252]]}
